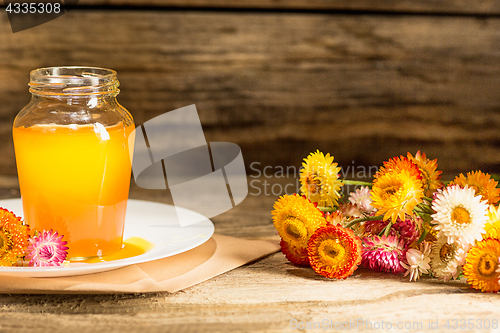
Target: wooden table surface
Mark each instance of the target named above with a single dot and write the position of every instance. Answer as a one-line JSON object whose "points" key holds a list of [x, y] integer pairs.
{"points": [[268, 295]]}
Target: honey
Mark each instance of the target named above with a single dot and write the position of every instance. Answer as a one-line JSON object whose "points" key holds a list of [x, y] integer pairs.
{"points": [[132, 247], [75, 180]]}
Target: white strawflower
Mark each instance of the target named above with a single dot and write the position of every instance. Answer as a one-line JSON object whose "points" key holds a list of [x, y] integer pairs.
{"points": [[447, 259], [460, 214], [418, 261]]}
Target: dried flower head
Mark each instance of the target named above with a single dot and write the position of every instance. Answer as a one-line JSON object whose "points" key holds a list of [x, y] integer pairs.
{"points": [[482, 183], [397, 164], [13, 238], [431, 177], [335, 218], [46, 249], [460, 214], [296, 219], [362, 200], [297, 256], [320, 179], [481, 268], [492, 226], [406, 230], [334, 252], [383, 254], [397, 189], [447, 259], [417, 261]]}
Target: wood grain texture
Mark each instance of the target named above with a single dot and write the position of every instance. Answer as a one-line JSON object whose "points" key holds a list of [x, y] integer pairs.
{"points": [[482, 7], [260, 297], [362, 87]]}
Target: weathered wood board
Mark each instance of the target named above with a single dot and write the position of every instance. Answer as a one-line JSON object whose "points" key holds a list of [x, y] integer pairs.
{"points": [[364, 80], [362, 87], [264, 296]]}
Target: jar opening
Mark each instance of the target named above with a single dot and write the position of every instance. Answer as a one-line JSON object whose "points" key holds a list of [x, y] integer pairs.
{"points": [[73, 81]]}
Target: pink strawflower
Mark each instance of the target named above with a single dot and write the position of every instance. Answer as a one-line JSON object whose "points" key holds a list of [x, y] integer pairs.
{"points": [[361, 199], [375, 227], [46, 248], [350, 210], [406, 229], [383, 254]]}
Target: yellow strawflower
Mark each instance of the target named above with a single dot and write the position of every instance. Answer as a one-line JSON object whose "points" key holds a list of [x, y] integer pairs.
{"points": [[320, 179]]}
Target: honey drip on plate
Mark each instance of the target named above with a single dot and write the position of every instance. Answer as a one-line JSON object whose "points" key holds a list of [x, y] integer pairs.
{"points": [[132, 247]]}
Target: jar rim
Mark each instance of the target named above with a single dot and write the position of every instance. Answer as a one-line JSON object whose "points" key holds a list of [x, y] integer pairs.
{"points": [[73, 81]]}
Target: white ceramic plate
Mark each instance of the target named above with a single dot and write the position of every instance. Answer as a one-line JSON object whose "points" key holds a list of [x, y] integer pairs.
{"points": [[154, 222]]}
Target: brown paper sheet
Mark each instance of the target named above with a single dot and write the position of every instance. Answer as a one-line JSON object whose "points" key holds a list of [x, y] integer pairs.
{"points": [[216, 256]]}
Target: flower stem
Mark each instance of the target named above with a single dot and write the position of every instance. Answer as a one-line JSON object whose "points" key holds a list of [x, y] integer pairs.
{"points": [[422, 236], [386, 230], [425, 208], [356, 182], [326, 209], [363, 219]]}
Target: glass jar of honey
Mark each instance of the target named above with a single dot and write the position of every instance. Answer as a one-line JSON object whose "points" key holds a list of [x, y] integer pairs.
{"points": [[73, 158]]}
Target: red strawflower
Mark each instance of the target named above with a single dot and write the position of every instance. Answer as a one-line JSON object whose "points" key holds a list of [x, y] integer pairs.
{"points": [[334, 252]]}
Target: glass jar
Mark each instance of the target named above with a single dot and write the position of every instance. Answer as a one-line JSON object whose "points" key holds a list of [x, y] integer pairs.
{"points": [[73, 158]]}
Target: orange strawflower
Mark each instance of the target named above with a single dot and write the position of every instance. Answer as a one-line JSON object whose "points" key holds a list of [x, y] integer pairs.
{"points": [[395, 193], [397, 164], [334, 252], [431, 177], [482, 265], [14, 237], [335, 218], [482, 183], [297, 256]]}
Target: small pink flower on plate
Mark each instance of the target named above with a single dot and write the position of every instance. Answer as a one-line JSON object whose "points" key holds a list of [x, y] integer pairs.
{"points": [[46, 248]]}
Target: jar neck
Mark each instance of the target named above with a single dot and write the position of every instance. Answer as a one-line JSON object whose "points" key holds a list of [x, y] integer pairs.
{"points": [[74, 83], [85, 100]]}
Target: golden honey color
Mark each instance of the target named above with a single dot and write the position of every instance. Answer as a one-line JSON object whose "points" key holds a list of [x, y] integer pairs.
{"points": [[75, 180]]}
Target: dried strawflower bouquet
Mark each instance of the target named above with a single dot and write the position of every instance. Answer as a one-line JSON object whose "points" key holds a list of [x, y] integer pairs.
{"points": [[19, 248], [405, 221]]}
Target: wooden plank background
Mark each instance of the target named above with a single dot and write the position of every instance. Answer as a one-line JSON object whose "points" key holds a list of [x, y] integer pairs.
{"points": [[362, 81]]}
